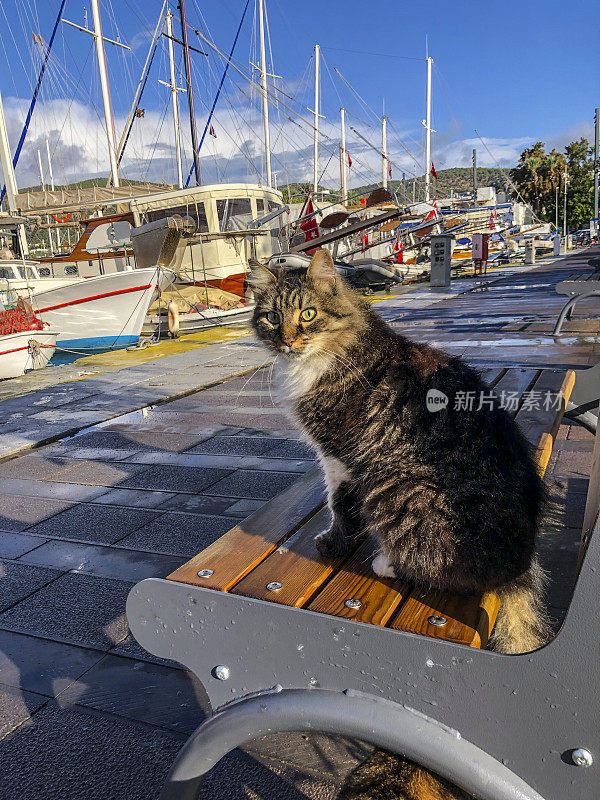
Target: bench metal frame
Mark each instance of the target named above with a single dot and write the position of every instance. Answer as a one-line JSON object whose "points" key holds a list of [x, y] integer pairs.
{"points": [[578, 289], [503, 727]]}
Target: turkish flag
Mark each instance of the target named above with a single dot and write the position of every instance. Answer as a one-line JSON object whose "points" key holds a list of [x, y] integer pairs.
{"points": [[390, 170], [349, 160], [212, 132], [433, 214], [309, 226], [398, 250], [433, 171]]}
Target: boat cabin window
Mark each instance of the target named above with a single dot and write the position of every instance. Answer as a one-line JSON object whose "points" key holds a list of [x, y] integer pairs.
{"points": [[194, 210], [44, 272], [71, 270], [7, 273], [235, 214], [260, 206]]}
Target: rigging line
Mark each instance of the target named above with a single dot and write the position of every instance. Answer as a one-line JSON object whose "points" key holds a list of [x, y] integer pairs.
{"points": [[132, 116], [35, 94], [377, 117], [507, 178]]}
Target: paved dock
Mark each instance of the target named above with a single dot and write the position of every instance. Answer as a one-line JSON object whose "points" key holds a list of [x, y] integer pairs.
{"points": [[126, 474]]}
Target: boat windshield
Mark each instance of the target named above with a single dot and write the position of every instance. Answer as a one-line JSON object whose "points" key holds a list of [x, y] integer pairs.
{"points": [[194, 210], [235, 214]]}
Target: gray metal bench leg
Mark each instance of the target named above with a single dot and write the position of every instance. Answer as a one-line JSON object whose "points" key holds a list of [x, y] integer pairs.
{"points": [[585, 399], [568, 308], [352, 714]]}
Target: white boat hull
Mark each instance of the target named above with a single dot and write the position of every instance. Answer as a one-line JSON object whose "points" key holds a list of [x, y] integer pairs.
{"points": [[17, 356], [104, 312]]}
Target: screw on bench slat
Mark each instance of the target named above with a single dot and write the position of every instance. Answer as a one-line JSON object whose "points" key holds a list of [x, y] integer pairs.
{"points": [[582, 757], [205, 573], [436, 620], [353, 603], [274, 586]]}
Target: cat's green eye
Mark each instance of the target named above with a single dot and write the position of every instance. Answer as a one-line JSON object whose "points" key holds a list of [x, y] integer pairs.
{"points": [[273, 317], [308, 314]]}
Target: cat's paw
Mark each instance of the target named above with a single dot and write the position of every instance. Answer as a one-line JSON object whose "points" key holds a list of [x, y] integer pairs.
{"points": [[382, 567], [331, 544]]}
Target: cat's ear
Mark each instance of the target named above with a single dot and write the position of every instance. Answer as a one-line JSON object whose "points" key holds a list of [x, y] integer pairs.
{"points": [[260, 278], [321, 270]]}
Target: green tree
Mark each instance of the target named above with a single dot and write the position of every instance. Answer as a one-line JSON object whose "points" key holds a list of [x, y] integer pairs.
{"points": [[580, 183]]}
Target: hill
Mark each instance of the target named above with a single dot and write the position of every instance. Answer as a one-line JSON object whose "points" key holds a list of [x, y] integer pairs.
{"points": [[455, 180], [90, 182]]}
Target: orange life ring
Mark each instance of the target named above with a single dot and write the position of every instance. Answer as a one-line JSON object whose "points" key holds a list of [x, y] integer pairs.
{"points": [[56, 218]]}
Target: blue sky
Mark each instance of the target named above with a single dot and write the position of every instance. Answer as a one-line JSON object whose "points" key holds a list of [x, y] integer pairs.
{"points": [[517, 74]]}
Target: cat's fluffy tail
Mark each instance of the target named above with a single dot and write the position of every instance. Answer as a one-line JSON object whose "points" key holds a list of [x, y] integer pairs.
{"points": [[522, 624]]}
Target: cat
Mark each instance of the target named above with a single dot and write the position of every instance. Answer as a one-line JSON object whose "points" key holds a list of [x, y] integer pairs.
{"points": [[452, 495]]}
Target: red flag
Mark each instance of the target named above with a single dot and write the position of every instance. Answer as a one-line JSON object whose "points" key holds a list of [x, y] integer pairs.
{"points": [[309, 226], [398, 250], [364, 240], [433, 171], [433, 214], [212, 132], [349, 160], [390, 170]]}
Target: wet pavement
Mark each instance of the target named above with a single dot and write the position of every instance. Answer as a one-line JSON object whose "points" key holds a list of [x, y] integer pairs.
{"points": [[85, 712]]}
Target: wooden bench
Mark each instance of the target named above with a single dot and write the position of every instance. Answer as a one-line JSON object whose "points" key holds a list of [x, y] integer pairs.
{"points": [[576, 289], [283, 639]]}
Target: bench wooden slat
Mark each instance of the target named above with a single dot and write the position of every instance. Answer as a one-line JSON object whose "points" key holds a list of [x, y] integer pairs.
{"points": [[297, 565], [537, 423], [469, 620], [379, 597], [491, 375], [238, 551], [518, 381]]}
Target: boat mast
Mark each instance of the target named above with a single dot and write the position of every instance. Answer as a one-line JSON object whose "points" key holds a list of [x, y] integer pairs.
{"points": [[263, 84], [384, 152], [51, 173], [10, 180], [190, 88], [108, 115], [316, 122], [344, 156], [427, 124], [43, 188], [175, 99]]}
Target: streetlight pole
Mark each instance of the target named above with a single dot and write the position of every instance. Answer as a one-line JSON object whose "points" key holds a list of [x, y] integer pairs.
{"points": [[596, 170], [565, 210]]}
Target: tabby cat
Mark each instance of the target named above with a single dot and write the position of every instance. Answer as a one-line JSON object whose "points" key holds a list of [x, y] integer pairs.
{"points": [[452, 495]]}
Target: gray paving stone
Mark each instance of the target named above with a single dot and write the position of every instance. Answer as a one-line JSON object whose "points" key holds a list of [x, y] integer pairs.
{"points": [[131, 649], [142, 691], [230, 462], [174, 479], [33, 467], [94, 523], [243, 508], [13, 545], [56, 491], [108, 562], [97, 473], [291, 449], [134, 440], [79, 754], [199, 504], [40, 665], [201, 400], [233, 445], [16, 707], [254, 484], [20, 580], [136, 498], [178, 534], [78, 609]]}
